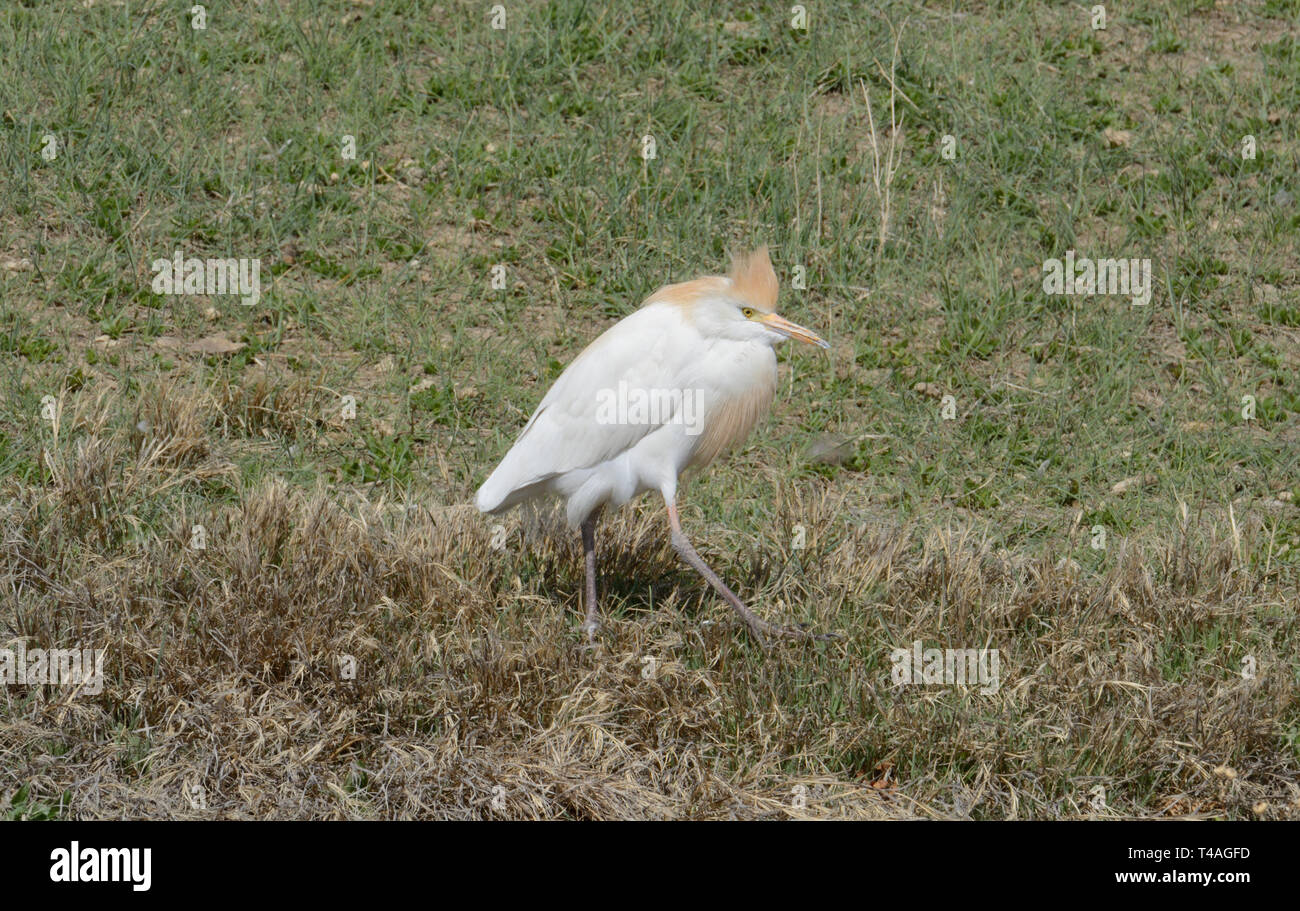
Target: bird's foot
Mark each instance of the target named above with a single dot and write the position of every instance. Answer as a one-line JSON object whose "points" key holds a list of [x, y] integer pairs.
{"points": [[760, 628], [805, 634]]}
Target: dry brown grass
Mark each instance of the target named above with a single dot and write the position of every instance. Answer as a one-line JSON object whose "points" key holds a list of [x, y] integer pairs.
{"points": [[473, 696]]}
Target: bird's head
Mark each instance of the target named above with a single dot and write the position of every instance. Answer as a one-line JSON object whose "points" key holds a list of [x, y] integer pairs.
{"points": [[746, 308]]}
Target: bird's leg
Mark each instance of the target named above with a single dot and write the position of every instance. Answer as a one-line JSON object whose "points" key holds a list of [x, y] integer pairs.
{"points": [[589, 554], [757, 625], [682, 545]]}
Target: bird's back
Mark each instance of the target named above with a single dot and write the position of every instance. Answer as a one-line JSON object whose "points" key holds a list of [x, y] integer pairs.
{"points": [[565, 433]]}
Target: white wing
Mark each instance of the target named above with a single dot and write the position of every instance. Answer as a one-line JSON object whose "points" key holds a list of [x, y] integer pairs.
{"points": [[646, 350]]}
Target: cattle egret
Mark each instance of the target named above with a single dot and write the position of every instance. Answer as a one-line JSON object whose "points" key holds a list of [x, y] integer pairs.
{"points": [[666, 389]]}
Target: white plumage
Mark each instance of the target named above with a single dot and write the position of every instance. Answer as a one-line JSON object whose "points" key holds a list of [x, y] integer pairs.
{"points": [[564, 450], [698, 359]]}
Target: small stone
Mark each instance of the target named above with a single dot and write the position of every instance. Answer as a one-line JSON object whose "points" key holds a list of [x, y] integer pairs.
{"points": [[1116, 138], [1124, 486], [215, 344]]}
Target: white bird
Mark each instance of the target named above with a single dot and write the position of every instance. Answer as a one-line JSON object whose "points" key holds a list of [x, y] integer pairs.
{"points": [[666, 389]]}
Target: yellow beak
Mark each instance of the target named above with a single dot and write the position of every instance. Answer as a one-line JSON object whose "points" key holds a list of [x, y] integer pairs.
{"points": [[782, 325]]}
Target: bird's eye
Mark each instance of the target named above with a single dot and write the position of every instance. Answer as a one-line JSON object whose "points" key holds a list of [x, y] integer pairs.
{"points": [[748, 312]]}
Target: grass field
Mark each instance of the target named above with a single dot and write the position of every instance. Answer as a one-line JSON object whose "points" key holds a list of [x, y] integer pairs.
{"points": [[1109, 498]]}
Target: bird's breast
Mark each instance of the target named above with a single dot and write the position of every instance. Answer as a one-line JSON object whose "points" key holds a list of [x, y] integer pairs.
{"points": [[740, 382]]}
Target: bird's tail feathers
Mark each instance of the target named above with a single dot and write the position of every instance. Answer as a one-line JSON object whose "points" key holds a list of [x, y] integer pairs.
{"points": [[501, 490]]}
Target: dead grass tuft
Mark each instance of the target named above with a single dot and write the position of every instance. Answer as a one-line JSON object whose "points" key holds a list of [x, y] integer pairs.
{"points": [[329, 655]]}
